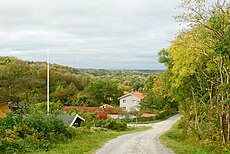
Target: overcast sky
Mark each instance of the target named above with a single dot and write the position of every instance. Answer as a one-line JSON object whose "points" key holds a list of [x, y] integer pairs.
{"points": [[108, 34]]}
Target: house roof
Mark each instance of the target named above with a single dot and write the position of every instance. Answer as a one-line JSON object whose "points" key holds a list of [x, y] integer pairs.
{"points": [[102, 109], [133, 93], [70, 120], [17, 105], [147, 115], [106, 106]]}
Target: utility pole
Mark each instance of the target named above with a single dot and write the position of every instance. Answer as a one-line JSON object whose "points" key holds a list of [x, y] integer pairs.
{"points": [[48, 82]]}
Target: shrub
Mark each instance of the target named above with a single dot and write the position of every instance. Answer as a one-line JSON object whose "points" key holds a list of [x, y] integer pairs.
{"points": [[113, 124], [20, 133], [11, 120], [89, 119]]}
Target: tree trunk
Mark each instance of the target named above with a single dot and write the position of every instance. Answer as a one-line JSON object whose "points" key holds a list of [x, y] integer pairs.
{"points": [[195, 108], [228, 121], [222, 124], [222, 117]]}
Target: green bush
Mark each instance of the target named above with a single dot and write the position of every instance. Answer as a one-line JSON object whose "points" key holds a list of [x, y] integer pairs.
{"points": [[113, 124], [89, 119], [11, 120], [41, 108], [26, 133]]}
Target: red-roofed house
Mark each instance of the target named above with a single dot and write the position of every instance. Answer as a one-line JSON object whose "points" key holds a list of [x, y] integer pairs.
{"points": [[100, 112], [131, 101], [147, 115]]}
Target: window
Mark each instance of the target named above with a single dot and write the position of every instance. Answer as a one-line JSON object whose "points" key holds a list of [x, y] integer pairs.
{"points": [[124, 108], [124, 101]]}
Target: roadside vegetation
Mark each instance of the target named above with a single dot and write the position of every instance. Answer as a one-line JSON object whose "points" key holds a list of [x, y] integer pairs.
{"points": [[198, 78], [21, 133], [180, 143], [88, 141], [28, 133]]}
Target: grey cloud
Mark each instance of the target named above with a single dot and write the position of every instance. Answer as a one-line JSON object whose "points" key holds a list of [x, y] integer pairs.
{"points": [[102, 34]]}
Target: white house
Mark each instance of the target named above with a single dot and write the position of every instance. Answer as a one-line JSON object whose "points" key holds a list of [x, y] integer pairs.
{"points": [[131, 101]]}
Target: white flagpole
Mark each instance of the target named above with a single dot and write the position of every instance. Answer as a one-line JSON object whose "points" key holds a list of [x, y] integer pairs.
{"points": [[48, 81]]}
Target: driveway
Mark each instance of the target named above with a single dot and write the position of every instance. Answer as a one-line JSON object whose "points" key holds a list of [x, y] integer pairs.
{"points": [[146, 142]]}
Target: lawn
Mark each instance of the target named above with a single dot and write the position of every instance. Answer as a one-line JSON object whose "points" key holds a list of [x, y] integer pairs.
{"points": [[87, 142]]}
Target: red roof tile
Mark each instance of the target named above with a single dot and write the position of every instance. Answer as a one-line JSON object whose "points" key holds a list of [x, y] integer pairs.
{"points": [[106, 106], [108, 109], [147, 115], [134, 93]]}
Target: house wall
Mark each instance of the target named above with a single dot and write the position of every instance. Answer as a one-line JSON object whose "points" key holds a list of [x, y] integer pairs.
{"points": [[3, 110], [130, 103]]}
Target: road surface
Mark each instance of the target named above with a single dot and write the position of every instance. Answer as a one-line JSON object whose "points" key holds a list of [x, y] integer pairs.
{"points": [[146, 142]]}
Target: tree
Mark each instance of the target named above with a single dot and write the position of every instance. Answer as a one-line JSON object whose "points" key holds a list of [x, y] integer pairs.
{"points": [[159, 97], [200, 71], [64, 94], [165, 58], [17, 80], [103, 91]]}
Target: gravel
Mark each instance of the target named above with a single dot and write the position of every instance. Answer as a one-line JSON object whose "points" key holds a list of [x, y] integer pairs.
{"points": [[146, 142]]}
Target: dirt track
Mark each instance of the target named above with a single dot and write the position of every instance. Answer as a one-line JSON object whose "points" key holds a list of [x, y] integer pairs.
{"points": [[146, 142]]}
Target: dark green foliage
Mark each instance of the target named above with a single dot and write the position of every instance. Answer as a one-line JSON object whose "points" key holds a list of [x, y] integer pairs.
{"points": [[89, 119], [103, 91], [138, 86], [165, 58], [113, 124], [26, 133], [17, 81]]}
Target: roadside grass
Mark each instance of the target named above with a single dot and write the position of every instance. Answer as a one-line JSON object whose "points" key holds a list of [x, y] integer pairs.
{"points": [[87, 142], [180, 144]]}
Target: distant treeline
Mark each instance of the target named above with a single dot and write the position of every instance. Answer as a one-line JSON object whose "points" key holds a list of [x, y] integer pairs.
{"points": [[25, 81]]}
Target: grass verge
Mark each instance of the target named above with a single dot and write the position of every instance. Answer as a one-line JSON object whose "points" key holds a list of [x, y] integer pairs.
{"points": [[180, 144], [88, 142]]}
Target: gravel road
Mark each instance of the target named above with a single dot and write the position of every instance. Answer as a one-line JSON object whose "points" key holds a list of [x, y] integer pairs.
{"points": [[146, 142]]}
